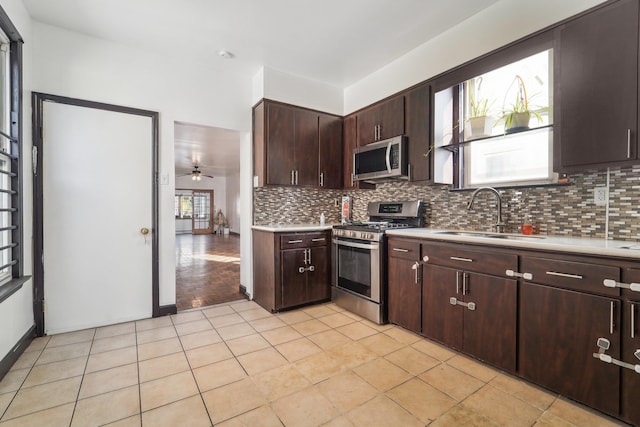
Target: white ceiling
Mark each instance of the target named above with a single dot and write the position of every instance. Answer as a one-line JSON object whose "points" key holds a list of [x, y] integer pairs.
{"points": [[215, 150], [333, 41]]}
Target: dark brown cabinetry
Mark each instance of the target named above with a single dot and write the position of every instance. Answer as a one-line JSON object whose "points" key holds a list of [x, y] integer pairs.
{"points": [[629, 407], [292, 144], [597, 88], [381, 121], [404, 284], [418, 132], [350, 140], [558, 335], [470, 311], [291, 269], [330, 139]]}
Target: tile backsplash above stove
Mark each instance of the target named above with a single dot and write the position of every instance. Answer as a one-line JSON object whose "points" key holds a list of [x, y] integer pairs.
{"points": [[563, 210]]}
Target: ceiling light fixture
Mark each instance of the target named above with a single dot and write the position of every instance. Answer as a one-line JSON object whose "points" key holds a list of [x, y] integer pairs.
{"points": [[226, 54]]}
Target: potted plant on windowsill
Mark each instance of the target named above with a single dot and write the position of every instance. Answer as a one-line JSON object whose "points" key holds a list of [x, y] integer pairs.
{"points": [[518, 117], [479, 122]]}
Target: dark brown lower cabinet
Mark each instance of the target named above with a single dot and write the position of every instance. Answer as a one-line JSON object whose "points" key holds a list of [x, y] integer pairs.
{"points": [[559, 330], [472, 312], [404, 294], [630, 389], [305, 275]]}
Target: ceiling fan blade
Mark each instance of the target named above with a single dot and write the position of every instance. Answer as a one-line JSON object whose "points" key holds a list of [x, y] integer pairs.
{"points": [[209, 176]]}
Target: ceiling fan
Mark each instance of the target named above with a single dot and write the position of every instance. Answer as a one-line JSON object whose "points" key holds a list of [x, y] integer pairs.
{"points": [[196, 174]]}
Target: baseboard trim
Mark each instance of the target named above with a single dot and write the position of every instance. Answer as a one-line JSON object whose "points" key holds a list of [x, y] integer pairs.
{"points": [[16, 351], [167, 309]]}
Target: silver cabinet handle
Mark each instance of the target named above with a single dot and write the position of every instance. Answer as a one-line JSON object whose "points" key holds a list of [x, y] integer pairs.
{"points": [[628, 143], [321, 179], [633, 320], [611, 325], [570, 276], [305, 257], [457, 282], [388, 157], [353, 180], [294, 241], [400, 250], [409, 171], [296, 177], [455, 258], [309, 250], [525, 276], [425, 259], [415, 267], [319, 239], [610, 283], [465, 283]]}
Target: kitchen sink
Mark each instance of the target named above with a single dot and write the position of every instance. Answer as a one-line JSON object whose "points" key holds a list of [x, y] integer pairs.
{"points": [[490, 235]]}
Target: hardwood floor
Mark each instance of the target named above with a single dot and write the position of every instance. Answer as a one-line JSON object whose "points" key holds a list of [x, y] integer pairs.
{"points": [[207, 270]]}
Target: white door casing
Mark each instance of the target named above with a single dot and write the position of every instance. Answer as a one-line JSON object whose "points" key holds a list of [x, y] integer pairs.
{"points": [[97, 197]]}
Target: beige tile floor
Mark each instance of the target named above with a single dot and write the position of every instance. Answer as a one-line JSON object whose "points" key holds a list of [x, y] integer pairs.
{"points": [[239, 365]]}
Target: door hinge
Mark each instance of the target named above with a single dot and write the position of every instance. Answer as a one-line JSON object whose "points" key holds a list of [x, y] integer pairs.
{"points": [[43, 306]]}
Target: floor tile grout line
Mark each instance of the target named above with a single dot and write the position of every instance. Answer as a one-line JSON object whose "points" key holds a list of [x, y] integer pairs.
{"points": [[75, 404], [138, 370]]}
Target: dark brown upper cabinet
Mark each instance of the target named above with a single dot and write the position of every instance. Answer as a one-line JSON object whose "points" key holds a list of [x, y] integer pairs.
{"points": [[292, 144], [350, 139], [381, 121], [418, 132], [596, 89], [330, 135]]}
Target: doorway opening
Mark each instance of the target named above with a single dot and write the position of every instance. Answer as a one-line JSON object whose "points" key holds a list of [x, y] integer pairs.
{"points": [[207, 201]]}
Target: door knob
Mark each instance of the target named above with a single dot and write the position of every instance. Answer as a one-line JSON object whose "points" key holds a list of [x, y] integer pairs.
{"points": [[144, 231]]}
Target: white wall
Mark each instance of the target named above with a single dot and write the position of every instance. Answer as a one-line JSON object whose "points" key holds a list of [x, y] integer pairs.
{"points": [[496, 26], [16, 312], [74, 65], [233, 202]]}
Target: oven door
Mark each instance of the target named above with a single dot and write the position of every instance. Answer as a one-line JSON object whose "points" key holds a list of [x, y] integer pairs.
{"points": [[357, 267]]}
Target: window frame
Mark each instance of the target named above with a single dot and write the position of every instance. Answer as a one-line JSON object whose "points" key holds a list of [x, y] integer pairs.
{"points": [[15, 137]]}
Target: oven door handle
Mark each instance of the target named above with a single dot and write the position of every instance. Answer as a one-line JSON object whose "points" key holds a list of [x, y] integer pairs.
{"points": [[373, 246]]}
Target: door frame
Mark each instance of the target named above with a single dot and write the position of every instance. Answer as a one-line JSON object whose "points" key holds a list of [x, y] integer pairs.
{"points": [[38, 99]]}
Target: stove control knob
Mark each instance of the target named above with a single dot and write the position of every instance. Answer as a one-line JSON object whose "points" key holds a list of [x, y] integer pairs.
{"points": [[353, 234]]}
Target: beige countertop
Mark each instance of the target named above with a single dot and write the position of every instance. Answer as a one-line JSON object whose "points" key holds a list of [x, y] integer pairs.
{"points": [[280, 228], [614, 248]]}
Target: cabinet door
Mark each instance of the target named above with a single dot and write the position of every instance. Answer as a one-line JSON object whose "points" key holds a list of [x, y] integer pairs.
{"points": [[350, 143], [598, 87], [441, 320], [391, 117], [330, 133], [280, 144], [294, 282], [630, 409], [404, 294], [306, 148], [558, 334], [490, 329], [418, 131], [367, 124], [318, 281]]}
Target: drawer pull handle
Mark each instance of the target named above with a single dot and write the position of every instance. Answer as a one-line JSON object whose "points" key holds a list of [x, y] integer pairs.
{"points": [[400, 250], [610, 283], [611, 325], [455, 258], [525, 276], [570, 276], [469, 305], [319, 239], [294, 241], [633, 323]]}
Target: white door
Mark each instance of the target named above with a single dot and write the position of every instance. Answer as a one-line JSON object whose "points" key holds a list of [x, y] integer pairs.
{"points": [[97, 198]]}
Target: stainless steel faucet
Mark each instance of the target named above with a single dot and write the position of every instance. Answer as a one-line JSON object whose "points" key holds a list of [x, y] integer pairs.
{"points": [[499, 224]]}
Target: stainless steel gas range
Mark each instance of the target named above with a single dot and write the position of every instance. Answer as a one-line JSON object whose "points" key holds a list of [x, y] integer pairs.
{"points": [[359, 282]]}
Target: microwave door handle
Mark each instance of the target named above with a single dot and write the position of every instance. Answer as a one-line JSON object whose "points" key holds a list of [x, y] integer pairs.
{"points": [[388, 157]]}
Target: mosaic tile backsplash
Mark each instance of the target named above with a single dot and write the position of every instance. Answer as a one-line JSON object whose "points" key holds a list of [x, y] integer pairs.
{"points": [[560, 210]]}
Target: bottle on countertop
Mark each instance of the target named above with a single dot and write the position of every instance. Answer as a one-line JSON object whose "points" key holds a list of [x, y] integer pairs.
{"points": [[322, 218]]}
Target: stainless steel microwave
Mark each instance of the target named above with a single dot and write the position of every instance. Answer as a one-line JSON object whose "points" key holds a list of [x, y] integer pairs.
{"points": [[382, 160]]}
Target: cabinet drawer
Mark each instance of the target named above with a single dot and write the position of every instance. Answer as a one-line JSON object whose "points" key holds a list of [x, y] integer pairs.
{"points": [[405, 249], [579, 276], [303, 240], [457, 256]]}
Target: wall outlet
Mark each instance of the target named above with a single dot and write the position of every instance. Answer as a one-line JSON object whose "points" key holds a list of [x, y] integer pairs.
{"points": [[336, 203], [600, 196]]}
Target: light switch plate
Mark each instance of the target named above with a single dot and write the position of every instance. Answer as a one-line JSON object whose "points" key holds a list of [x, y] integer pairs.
{"points": [[600, 196]]}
